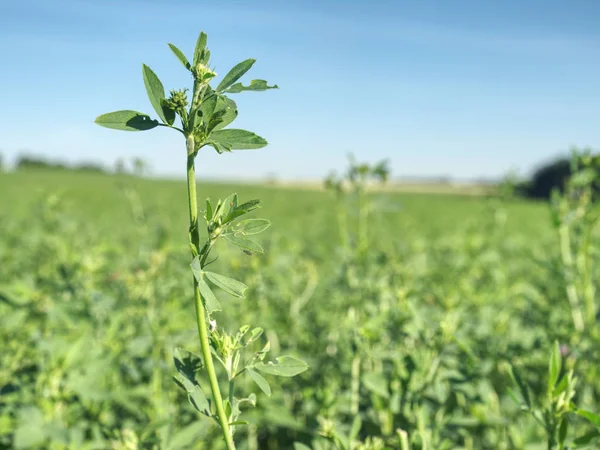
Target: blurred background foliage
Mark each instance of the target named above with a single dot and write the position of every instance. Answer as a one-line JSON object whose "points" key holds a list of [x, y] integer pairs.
{"points": [[409, 309]]}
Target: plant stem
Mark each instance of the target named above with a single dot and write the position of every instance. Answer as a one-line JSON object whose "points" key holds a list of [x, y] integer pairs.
{"points": [[252, 437], [355, 388], [585, 268], [363, 220], [200, 312], [403, 438], [567, 260]]}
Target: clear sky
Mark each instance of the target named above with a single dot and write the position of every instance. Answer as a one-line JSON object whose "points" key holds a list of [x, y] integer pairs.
{"points": [[466, 88]]}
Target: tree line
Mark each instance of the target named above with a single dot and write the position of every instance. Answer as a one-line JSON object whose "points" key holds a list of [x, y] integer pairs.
{"points": [[539, 185], [133, 166], [554, 174]]}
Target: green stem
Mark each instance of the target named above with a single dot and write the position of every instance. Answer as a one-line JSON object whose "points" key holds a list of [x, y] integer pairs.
{"points": [[363, 220], [403, 438], [355, 388], [343, 228], [585, 263], [252, 437], [567, 261], [200, 312]]}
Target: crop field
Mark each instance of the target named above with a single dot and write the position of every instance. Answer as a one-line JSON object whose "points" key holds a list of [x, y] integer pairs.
{"points": [[348, 314], [409, 341]]}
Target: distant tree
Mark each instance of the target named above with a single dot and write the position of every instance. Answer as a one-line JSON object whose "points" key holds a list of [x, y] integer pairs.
{"points": [[1, 162], [555, 174], [36, 162], [89, 167], [549, 176]]}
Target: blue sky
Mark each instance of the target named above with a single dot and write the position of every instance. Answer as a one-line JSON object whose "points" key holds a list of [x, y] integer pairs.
{"points": [[467, 88]]}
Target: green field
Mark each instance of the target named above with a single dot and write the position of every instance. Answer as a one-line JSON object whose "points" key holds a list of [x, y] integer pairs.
{"points": [[415, 334]]}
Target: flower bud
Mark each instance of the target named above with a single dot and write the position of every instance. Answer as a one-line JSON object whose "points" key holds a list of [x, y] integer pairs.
{"points": [[203, 73], [177, 101]]}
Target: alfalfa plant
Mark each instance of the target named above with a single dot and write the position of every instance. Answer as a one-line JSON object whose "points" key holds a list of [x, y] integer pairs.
{"points": [[576, 214], [203, 122], [556, 411], [352, 186]]}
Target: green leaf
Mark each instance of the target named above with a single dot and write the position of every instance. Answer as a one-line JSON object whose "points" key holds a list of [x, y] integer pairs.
{"points": [[30, 431], [208, 215], [200, 47], [263, 352], [252, 226], [195, 395], [522, 386], [227, 109], [207, 108], [248, 206], [240, 210], [255, 85], [195, 118], [235, 74], [583, 178], [554, 366], [254, 335], [126, 120], [538, 415], [156, 94], [260, 381], [563, 429], [180, 56], [196, 269], [284, 366], [301, 446], [243, 243], [205, 56], [187, 364], [585, 440], [562, 385], [229, 285], [234, 139], [218, 147], [590, 416], [376, 383], [355, 429], [210, 301], [169, 113], [230, 203]]}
